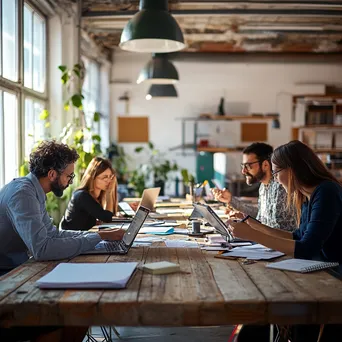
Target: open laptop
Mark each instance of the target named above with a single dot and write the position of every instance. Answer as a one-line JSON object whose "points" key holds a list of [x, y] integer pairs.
{"points": [[123, 246], [148, 201], [209, 214]]}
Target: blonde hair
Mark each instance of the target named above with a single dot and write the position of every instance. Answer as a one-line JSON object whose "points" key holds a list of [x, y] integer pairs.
{"points": [[97, 166]]}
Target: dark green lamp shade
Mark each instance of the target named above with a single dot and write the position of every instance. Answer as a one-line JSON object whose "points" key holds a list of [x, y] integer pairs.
{"points": [[161, 90], [158, 71], [152, 29]]}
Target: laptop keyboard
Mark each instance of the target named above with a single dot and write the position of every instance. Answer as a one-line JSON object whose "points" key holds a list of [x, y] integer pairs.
{"points": [[115, 246]]}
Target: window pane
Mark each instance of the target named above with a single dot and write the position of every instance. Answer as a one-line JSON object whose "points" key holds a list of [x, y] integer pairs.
{"points": [[9, 40], [34, 127], [10, 136], [28, 51], [38, 53]]}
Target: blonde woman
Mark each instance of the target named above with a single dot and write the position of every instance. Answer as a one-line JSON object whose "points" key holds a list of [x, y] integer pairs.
{"points": [[95, 199]]}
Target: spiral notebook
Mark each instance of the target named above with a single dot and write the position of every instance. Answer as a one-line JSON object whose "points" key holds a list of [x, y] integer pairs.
{"points": [[301, 265]]}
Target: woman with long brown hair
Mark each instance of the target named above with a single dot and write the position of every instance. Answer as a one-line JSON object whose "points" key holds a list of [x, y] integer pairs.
{"points": [[95, 199], [317, 196]]}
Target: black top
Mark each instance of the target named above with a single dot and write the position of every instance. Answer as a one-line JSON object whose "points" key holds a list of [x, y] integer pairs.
{"points": [[83, 211], [320, 232]]}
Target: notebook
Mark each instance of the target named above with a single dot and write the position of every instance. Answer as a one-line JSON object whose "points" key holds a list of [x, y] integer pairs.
{"points": [[301, 265], [88, 275]]}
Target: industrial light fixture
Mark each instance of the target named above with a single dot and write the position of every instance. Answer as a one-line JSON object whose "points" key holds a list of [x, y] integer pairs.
{"points": [[152, 29], [161, 90], [159, 70]]}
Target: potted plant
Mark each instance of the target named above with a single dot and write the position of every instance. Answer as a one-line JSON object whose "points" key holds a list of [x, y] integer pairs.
{"points": [[156, 167]]}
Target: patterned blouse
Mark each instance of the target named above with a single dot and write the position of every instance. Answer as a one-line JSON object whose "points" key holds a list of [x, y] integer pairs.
{"points": [[272, 207]]}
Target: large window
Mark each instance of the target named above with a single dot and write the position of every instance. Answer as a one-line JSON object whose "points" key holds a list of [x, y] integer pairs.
{"points": [[22, 83], [91, 92]]}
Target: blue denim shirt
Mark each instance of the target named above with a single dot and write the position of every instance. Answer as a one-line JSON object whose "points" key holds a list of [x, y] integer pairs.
{"points": [[26, 226]]}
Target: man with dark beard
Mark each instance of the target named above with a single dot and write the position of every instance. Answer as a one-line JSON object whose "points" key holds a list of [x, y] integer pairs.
{"points": [[272, 204], [25, 226]]}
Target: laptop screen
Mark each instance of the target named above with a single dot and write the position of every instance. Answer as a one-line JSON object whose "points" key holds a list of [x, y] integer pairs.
{"points": [[135, 225], [209, 214]]}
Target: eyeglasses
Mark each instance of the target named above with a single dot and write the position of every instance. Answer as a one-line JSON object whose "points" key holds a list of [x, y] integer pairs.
{"points": [[274, 173], [106, 178], [248, 166], [71, 177]]}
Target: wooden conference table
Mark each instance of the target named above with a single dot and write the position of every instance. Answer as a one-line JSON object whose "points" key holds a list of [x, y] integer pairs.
{"points": [[209, 291]]}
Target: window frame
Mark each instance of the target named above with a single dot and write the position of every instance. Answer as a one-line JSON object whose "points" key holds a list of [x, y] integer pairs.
{"points": [[18, 87]]}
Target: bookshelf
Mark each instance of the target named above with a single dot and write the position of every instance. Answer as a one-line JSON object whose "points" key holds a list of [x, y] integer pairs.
{"points": [[318, 123]]}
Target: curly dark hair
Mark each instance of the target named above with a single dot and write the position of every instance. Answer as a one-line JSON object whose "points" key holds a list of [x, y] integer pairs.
{"points": [[51, 155]]}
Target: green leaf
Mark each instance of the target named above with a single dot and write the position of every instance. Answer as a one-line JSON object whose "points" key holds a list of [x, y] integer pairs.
{"points": [[78, 66], [150, 145], [138, 149], [44, 114], [97, 116], [62, 68], [65, 78], [67, 106], [47, 124], [96, 137], [77, 73], [77, 101]]}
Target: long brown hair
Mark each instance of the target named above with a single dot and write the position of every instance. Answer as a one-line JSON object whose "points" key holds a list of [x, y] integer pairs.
{"points": [[306, 171], [95, 168]]}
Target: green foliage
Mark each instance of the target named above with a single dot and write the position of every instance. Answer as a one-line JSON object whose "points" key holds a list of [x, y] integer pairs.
{"points": [[120, 162], [188, 178], [75, 135], [156, 165]]}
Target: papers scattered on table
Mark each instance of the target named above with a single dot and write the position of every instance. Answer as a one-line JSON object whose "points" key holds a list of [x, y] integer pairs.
{"points": [[213, 248], [254, 252], [88, 275], [148, 239], [181, 244]]}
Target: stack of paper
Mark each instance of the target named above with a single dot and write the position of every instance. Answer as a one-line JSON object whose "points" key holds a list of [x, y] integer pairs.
{"points": [[88, 275], [254, 252], [181, 244]]}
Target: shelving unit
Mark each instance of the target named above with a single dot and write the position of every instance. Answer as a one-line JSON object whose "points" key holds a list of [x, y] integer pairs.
{"points": [[206, 117], [322, 128]]}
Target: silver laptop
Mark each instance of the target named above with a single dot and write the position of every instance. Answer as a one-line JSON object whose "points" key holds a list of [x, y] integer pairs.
{"points": [[123, 246], [148, 201], [214, 220], [149, 197]]}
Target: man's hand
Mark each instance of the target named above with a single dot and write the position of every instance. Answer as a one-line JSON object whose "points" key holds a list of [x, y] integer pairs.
{"points": [[222, 195], [111, 234]]}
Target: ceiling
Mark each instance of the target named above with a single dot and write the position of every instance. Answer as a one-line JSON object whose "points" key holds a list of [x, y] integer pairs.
{"points": [[231, 26]]}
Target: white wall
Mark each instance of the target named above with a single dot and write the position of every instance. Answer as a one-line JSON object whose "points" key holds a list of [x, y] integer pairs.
{"points": [[249, 84]]}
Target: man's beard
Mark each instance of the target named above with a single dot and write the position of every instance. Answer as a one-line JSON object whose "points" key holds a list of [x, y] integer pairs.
{"points": [[256, 178], [56, 188]]}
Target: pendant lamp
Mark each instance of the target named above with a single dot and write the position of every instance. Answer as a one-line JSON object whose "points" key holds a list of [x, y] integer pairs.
{"points": [[161, 90], [152, 29], [159, 70]]}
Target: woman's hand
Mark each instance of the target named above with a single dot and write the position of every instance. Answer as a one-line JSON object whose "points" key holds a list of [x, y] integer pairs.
{"points": [[240, 229], [235, 215], [112, 234], [222, 195]]}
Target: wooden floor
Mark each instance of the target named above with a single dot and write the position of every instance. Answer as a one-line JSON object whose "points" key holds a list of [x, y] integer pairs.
{"points": [[192, 334]]}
